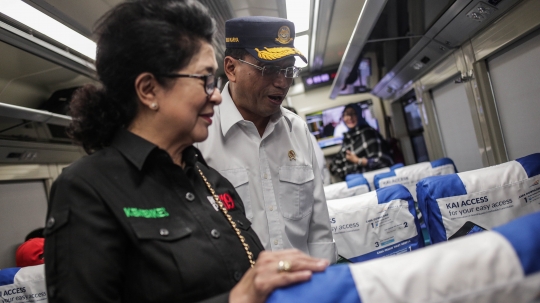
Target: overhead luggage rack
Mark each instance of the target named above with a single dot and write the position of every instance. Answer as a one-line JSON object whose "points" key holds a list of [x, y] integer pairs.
{"points": [[35, 136]]}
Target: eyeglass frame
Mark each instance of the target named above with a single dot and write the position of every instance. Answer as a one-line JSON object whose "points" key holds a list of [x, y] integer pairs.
{"points": [[262, 68], [217, 80]]}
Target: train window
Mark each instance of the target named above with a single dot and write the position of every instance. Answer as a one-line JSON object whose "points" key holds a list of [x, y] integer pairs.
{"points": [[456, 126], [514, 76], [23, 207]]}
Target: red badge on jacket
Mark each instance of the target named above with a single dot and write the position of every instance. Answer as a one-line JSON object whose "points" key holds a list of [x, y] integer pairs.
{"points": [[227, 201]]}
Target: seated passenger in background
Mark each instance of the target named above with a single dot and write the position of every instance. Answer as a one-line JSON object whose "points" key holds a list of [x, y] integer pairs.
{"points": [[363, 149], [141, 219], [36, 233], [30, 253]]}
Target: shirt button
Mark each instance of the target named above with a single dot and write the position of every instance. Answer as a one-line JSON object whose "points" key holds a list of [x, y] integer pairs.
{"points": [[275, 242], [164, 232], [190, 196], [52, 291], [50, 222], [215, 233], [237, 275], [271, 208]]}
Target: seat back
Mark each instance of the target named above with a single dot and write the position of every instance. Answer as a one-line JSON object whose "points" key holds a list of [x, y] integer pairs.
{"points": [[371, 174], [375, 224], [346, 189], [459, 204], [23, 284], [409, 175], [494, 266]]}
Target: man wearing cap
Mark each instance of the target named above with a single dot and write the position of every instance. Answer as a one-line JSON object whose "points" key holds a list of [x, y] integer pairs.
{"points": [[266, 151]]}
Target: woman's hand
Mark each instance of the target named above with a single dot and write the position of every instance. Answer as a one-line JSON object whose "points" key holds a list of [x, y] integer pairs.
{"points": [[352, 157], [273, 270]]}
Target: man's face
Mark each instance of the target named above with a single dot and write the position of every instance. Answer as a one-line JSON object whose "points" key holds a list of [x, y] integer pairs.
{"points": [[257, 95]]}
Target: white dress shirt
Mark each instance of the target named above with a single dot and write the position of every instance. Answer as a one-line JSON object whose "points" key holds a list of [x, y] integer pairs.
{"points": [[276, 175], [319, 154]]}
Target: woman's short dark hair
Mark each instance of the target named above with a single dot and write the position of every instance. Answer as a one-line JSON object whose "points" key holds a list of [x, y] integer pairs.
{"points": [[155, 36]]}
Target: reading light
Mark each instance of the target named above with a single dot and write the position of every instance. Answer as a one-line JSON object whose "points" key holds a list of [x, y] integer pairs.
{"points": [[40, 22]]}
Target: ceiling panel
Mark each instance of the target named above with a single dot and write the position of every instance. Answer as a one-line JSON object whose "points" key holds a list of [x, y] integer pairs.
{"points": [[85, 13], [344, 19], [259, 4]]}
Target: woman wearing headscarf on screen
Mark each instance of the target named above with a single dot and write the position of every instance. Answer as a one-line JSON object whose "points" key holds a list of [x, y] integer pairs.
{"points": [[363, 148]]}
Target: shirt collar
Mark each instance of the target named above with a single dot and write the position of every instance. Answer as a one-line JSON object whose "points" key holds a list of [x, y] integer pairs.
{"points": [[137, 149], [230, 115], [133, 147], [228, 112]]}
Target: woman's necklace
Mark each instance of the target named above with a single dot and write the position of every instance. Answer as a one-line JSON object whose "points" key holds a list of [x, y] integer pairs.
{"points": [[229, 218]]}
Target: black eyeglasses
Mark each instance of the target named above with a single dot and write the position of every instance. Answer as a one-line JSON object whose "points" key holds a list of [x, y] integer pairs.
{"points": [[210, 80], [274, 70]]}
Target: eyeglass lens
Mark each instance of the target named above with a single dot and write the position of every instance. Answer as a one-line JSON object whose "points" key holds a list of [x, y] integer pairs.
{"points": [[273, 70], [211, 83]]}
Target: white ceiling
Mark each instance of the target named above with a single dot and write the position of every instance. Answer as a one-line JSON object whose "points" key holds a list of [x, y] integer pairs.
{"points": [[244, 8], [84, 12], [344, 18], [41, 78]]}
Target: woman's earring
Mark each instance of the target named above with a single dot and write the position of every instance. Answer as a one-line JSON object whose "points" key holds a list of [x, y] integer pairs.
{"points": [[154, 106]]}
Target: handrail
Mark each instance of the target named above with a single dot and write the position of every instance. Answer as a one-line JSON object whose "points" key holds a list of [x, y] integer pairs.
{"points": [[19, 112]]}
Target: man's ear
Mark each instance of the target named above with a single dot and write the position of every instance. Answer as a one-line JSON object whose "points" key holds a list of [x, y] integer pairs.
{"points": [[146, 87], [229, 65]]}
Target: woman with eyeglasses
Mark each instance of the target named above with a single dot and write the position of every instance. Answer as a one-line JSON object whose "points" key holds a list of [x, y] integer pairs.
{"points": [[143, 218], [363, 148]]}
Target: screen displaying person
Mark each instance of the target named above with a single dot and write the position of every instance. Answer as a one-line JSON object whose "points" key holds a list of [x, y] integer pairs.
{"points": [[265, 151], [363, 148]]}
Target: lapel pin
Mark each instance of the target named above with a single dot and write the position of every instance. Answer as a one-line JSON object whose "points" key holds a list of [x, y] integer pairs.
{"points": [[292, 155]]}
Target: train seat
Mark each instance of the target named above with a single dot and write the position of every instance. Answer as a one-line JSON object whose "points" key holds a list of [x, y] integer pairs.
{"points": [[409, 175], [459, 204], [375, 224], [371, 174], [23, 284], [354, 187], [501, 265]]}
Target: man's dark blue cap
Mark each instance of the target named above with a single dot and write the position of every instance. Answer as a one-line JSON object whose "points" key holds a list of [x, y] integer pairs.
{"points": [[268, 39]]}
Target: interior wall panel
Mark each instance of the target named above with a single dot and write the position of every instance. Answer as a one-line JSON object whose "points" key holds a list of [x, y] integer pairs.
{"points": [[456, 126], [23, 207], [516, 86]]}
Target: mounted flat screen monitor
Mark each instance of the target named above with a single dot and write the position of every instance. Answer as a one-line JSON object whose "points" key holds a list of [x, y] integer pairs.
{"points": [[358, 80], [328, 126]]}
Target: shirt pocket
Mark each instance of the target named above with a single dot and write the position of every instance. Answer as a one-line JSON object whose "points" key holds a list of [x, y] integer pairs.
{"points": [[240, 180], [296, 188], [166, 231]]}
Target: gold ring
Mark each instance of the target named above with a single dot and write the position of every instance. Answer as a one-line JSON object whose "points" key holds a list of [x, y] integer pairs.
{"points": [[283, 266]]}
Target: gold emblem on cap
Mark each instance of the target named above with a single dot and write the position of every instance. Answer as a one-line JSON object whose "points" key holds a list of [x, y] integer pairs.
{"points": [[292, 155], [284, 35]]}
